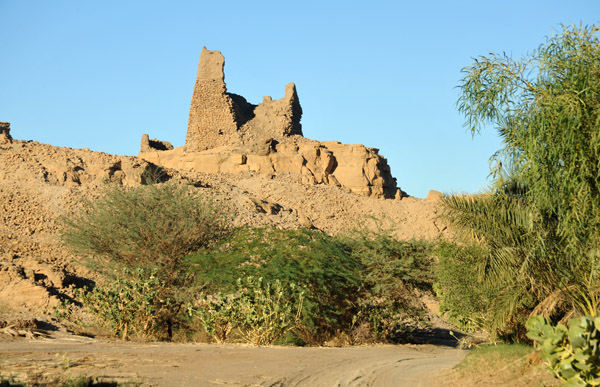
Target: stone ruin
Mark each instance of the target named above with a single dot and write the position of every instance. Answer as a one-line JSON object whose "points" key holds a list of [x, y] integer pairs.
{"points": [[227, 134], [5, 137]]}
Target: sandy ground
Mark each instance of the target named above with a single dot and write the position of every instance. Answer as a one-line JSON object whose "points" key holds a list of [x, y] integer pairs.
{"points": [[164, 364]]}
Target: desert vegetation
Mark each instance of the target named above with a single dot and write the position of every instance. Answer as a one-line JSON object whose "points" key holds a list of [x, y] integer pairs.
{"points": [[530, 245], [170, 264]]}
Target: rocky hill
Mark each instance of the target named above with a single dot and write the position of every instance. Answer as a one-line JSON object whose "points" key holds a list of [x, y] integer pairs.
{"points": [[251, 159]]}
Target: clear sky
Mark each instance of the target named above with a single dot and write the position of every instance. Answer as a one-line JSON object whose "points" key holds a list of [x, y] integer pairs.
{"points": [[99, 74]]}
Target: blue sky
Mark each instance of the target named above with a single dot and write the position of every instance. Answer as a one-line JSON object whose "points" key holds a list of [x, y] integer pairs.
{"points": [[99, 74]]}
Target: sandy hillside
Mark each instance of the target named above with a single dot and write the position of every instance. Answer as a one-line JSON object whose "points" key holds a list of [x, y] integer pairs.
{"points": [[40, 183]]}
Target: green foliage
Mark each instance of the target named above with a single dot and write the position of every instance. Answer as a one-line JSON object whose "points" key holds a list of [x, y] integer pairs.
{"points": [[137, 238], [463, 296], [218, 313], [393, 271], [573, 353], [270, 310], [540, 224], [260, 312], [547, 109], [137, 303], [360, 278], [506, 261], [151, 226], [313, 261]]}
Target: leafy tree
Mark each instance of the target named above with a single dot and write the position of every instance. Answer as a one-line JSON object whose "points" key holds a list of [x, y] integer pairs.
{"points": [[541, 222], [151, 226], [138, 237]]}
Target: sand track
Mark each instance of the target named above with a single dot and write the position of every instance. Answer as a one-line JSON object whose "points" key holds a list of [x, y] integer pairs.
{"points": [[165, 364]]}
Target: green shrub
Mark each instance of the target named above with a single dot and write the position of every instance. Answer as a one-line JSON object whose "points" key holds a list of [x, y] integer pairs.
{"points": [[137, 237], [474, 302], [348, 281], [147, 226], [270, 310], [261, 312], [392, 274], [463, 297], [219, 314], [573, 353], [313, 261], [137, 303]]}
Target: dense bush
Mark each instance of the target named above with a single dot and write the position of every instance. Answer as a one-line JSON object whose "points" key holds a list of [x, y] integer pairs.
{"points": [[137, 237], [361, 278], [572, 353], [541, 219], [160, 246], [471, 302], [312, 260], [135, 304], [259, 312], [393, 273], [148, 226]]}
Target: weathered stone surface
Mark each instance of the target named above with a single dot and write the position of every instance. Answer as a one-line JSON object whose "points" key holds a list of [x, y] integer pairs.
{"points": [[226, 134], [154, 144], [276, 118], [218, 117], [212, 115], [434, 195], [5, 137]]}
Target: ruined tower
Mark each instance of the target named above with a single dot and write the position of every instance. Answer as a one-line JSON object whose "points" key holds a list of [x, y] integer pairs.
{"points": [[212, 116], [227, 134], [220, 118]]}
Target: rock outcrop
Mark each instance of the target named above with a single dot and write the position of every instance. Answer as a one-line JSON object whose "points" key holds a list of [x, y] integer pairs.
{"points": [[227, 134], [5, 137]]}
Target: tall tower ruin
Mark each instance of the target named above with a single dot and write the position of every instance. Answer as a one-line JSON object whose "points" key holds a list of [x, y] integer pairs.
{"points": [[220, 118]]}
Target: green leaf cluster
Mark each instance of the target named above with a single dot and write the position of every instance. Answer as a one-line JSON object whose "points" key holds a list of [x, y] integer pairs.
{"points": [[259, 312], [136, 239], [361, 277], [312, 260], [150, 225], [573, 353], [137, 303], [466, 301], [539, 224], [393, 273]]}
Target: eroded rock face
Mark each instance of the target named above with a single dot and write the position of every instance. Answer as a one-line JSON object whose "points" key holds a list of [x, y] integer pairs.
{"points": [[220, 118], [5, 137], [154, 144], [227, 134]]}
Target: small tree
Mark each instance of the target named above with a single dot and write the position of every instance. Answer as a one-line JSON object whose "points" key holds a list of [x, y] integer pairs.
{"points": [[546, 108], [138, 237], [147, 226]]}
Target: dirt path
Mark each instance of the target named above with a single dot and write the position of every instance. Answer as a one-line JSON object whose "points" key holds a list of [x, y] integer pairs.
{"points": [[164, 364]]}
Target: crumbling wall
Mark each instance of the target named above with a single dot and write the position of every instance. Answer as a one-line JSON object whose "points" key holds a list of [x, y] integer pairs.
{"points": [[5, 137], [227, 134], [212, 119], [154, 144], [276, 118], [221, 118]]}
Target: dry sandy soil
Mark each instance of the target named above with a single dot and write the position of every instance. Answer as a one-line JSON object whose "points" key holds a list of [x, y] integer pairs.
{"points": [[164, 364]]}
